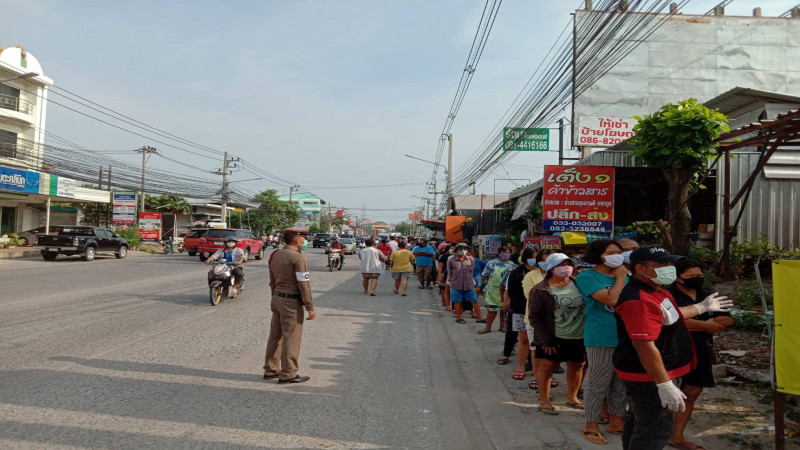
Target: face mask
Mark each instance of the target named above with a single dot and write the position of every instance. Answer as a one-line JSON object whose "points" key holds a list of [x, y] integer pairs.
{"points": [[462, 252], [231, 244], [531, 262], [542, 265], [665, 275], [305, 244], [627, 256], [693, 283], [614, 261], [505, 256], [563, 271], [452, 252]]}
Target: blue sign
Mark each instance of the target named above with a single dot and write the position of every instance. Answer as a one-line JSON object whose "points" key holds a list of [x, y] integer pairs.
{"points": [[14, 180]]}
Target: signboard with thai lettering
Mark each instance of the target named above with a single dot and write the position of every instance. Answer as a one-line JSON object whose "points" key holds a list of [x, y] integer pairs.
{"points": [[124, 207], [150, 226], [578, 198], [526, 139], [603, 131], [542, 242]]}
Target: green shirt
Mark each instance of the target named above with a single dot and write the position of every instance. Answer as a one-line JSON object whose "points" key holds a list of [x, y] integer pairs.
{"points": [[568, 312]]}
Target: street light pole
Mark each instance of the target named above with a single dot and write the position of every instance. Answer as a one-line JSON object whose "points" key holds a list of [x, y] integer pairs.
{"points": [[21, 77], [144, 151], [449, 189]]}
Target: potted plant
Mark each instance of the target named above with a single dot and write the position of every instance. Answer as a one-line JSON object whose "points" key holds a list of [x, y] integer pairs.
{"points": [[13, 240]]}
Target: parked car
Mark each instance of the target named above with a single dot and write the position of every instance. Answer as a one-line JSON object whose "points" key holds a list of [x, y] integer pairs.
{"points": [[214, 239], [84, 241], [349, 246], [29, 237], [322, 240], [192, 239]]}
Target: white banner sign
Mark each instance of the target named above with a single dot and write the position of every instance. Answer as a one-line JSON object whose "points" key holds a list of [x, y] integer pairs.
{"points": [[603, 131]]}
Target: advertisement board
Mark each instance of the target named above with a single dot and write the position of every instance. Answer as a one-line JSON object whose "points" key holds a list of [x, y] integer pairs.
{"points": [[578, 198], [542, 242], [488, 246], [124, 207], [603, 131], [150, 226], [526, 139]]}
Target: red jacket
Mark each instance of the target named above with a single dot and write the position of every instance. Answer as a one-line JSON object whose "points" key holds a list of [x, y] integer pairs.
{"points": [[386, 249]]}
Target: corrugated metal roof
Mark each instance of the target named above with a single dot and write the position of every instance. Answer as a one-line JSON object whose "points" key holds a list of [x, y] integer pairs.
{"points": [[737, 98]]}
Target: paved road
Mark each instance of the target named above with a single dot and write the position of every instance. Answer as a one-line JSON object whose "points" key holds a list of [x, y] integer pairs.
{"points": [[130, 354]]}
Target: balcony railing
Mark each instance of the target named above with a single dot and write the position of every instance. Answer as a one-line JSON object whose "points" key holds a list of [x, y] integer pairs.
{"points": [[16, 104]]}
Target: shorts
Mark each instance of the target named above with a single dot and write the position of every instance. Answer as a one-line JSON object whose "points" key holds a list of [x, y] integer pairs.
{"points": [[567, 350], [467, 295], [518, 322], [529, 329], [371, 275], [424, 273], [489, 307], [398, 275]]}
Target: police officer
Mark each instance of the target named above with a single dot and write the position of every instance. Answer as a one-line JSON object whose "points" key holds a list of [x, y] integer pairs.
{"points": [[291, 293]]}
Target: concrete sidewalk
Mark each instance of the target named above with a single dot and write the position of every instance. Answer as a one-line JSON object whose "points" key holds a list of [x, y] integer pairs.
{"points": [[19, 252]]}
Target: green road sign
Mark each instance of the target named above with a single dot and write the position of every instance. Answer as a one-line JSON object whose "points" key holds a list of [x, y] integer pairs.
{"points": [[526, 139]]}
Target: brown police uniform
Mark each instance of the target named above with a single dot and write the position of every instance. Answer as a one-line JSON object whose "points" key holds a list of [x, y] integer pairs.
{"points": [[291, 291]]}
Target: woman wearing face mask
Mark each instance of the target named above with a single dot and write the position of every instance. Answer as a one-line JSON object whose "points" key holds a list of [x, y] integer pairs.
{"points": [[600, 288], [556, 314], [516, 304], [533, 278], [688, 290], [494, 274]]}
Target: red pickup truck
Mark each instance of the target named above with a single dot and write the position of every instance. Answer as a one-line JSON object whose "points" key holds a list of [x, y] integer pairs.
{"points": [[214, 239]]}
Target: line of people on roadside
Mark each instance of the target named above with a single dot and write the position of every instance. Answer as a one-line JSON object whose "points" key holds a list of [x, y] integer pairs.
{"points": [[633, 326], [404, 257]]}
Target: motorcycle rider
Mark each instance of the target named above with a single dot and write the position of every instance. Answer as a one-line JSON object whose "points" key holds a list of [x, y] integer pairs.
{"points": [[335, 243], [234, 255]]}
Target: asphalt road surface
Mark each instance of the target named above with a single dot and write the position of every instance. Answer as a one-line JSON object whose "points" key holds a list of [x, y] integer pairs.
{"points": [[130, 354]]}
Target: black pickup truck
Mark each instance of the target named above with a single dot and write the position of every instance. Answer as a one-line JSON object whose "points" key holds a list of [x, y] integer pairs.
{"points": [[84, 241]]}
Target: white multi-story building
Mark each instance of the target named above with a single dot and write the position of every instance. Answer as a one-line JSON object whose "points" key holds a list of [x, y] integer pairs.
{"points": [[25, 187]]}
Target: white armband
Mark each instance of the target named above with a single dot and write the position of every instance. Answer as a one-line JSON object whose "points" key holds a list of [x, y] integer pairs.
{"points": [[302, 276]]}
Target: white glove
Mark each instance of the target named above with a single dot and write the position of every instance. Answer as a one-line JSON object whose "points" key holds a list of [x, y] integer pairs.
{"points": [[714, 303], [671, 397]]}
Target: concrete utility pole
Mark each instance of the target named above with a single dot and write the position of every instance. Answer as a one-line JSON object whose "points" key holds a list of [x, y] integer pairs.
{"points": [[449, 190], [435, 205], [224, 192], [144, 151]]}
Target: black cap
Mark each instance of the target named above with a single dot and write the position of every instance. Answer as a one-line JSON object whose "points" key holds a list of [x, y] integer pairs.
{"points": [[656, 254]]}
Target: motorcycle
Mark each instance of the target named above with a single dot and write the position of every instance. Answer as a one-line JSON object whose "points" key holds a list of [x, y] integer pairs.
{"points": [[181, 248], [334, 259], [275, 244], [167, 245], [220, 280]]}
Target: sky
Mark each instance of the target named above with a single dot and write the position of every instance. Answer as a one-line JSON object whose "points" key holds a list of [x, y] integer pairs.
{"points": [[327, 94]]}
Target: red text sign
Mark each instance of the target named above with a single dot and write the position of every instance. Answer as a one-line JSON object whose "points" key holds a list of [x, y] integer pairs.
{"points": [[578, 198]]}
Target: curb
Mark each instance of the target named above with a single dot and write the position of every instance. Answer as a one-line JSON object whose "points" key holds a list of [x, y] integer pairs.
{"points": [[19, 253]]}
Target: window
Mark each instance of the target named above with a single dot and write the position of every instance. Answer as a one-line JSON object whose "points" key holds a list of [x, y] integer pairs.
{"points": [[8, 143], [9, 97]]}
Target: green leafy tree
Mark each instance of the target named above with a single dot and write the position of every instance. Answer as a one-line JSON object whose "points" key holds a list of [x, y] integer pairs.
{"points": [[271, 215], [167, 203], [405, 228], [680, 139]]}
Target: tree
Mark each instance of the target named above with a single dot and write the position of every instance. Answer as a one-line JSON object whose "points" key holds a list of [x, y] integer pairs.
{"points": [[271, 214], [167, 203], [680, 139], [405, 228]]}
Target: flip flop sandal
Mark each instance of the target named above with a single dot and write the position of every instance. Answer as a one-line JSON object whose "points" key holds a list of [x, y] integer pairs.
{"points": [[518, 375], [395, 292], [548, 410], [577, 405], [603, 421], [484, 331], [686, 445], [449, 308], [553, 383], [372, 294], [503, 361], [461, 321], [533, 385], [610, 430], [404, 295], [594, 437]]}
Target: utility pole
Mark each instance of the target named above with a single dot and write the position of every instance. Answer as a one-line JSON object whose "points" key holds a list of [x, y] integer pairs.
{"points": [[561, 141], [144, 151], [435, 205], [224, 192], [449, 190]]}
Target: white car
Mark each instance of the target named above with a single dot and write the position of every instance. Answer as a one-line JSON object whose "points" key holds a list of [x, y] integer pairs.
{"points": [[349, 246]]}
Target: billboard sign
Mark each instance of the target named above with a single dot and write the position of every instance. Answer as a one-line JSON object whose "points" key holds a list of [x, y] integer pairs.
{"points": [[604, 131], [526, 139], [542, 242], [578, 198], [124, 207], [150, 226]]}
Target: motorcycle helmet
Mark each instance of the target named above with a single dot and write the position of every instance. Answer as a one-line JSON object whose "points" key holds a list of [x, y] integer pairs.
{"points": [[229, 239]]}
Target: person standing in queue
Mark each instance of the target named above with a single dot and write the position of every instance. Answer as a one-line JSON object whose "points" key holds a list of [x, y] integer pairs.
{"points": [[291, 295], [655, 349], [460, 269]]}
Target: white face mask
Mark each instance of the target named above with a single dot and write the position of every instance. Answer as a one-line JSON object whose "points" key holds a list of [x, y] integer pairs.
{"points": [[462, 252], [231, 244], [614, 261], [627, 256]]}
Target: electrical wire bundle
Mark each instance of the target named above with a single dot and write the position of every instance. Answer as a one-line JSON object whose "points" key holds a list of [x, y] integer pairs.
{"points": [[602, 39]]}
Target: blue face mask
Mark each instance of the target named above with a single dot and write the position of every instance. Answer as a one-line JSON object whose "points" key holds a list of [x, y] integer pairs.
{"points": [[542, 265], [532, 262]]}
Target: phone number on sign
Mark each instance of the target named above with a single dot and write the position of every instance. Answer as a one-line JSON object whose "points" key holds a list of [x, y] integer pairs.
{"points": [[597, 140], [578, 228], [578, 223]]}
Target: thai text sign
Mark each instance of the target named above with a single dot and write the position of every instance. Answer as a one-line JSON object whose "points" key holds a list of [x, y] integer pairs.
{"points": [[542, 242], [578, 198], [150, 226], [603, 131], [124, 209], [526, 139]]}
